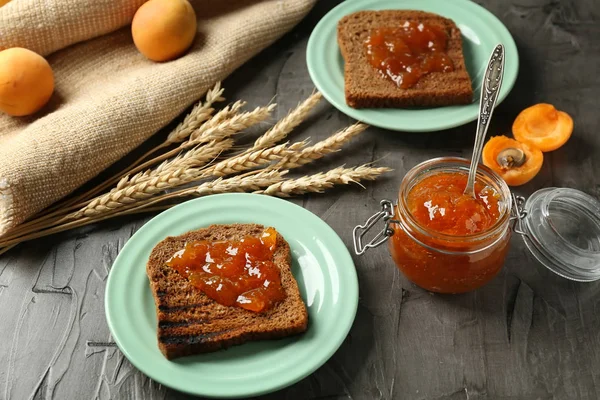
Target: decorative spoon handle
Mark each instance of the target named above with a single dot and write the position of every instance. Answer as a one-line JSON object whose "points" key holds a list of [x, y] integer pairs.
{"points": [[490, 86]]}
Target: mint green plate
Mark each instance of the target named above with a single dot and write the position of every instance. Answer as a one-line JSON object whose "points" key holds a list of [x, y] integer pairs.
{"points": [[481, 31], [321, 264]]}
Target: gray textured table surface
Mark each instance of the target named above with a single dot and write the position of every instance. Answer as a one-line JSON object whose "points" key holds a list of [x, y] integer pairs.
{"points": [[526, 335]]}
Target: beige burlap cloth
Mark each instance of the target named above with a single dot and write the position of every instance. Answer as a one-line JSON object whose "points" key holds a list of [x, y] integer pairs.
{"points": [[108, 97]]}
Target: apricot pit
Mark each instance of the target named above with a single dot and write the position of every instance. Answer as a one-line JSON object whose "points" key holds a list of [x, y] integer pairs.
{"points": [[517, 163]]}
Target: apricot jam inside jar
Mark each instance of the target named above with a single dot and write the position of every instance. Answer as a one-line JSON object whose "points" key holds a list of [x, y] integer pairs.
{"points": [[443, 240], [446, 242]]}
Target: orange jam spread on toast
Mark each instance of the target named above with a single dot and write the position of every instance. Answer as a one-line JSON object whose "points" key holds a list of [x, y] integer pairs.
{"points": [[234, 273], [438, 203], [408, 52]]}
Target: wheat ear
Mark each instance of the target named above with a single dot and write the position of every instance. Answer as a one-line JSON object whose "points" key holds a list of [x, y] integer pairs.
{"points": [[249, 184], [318, 183], [322, 148], [257, 180], [231, 126], [221, 131], [170, 180], [200, 113], [178, 177], [285, 125], [196, 118], [194, 158], [220, 117], [146, 185], [240, 184], [251, 160]]}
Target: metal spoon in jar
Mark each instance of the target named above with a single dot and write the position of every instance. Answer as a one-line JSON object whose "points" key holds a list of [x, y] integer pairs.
{"points": [[490, 87]]}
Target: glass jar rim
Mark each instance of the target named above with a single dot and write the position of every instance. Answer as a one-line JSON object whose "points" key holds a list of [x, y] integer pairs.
{"points": [[457, 164]]}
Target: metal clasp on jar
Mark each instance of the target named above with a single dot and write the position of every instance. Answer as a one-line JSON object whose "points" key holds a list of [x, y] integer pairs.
{"points": [[385, 215], [518, 213]]}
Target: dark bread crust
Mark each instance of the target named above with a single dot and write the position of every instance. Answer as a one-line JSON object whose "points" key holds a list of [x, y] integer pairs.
{"points": [[364, 85], [191, 323]]}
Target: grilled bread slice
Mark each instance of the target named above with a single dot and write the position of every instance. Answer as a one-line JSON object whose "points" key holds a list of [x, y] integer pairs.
{"points": [[364, 85], [190, 323]]}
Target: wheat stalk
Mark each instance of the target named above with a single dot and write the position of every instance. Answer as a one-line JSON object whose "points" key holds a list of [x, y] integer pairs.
{"points": [[231, 126], [131, 194], [149, 185], [318, 183], [220, 117], [178, 177], [272, 181], [257, 180], [254, 159], [200, 113], [259, 169], [218, 131], [285, 125], [238, 184], [192, 122], [195, 158], [196, 118], [221, 131], [322, 148]]}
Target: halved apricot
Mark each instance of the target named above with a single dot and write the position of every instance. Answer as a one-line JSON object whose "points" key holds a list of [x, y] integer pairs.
{"points": [[543, 126], [517, 163]]}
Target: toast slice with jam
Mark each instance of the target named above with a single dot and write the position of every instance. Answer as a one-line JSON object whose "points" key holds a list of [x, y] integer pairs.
{"points": [[190, 322], [364, 85]]}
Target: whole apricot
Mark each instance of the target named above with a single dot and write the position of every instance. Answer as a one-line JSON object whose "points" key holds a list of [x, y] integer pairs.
{"points": [[26, 81], [164, 29]]}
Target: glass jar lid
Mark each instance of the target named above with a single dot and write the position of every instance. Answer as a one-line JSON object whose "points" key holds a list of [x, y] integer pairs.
{"points": [[561, 228]]}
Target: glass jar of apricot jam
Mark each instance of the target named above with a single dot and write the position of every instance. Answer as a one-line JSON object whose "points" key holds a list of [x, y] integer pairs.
{"points": [[441, 239], [447, 242]]}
